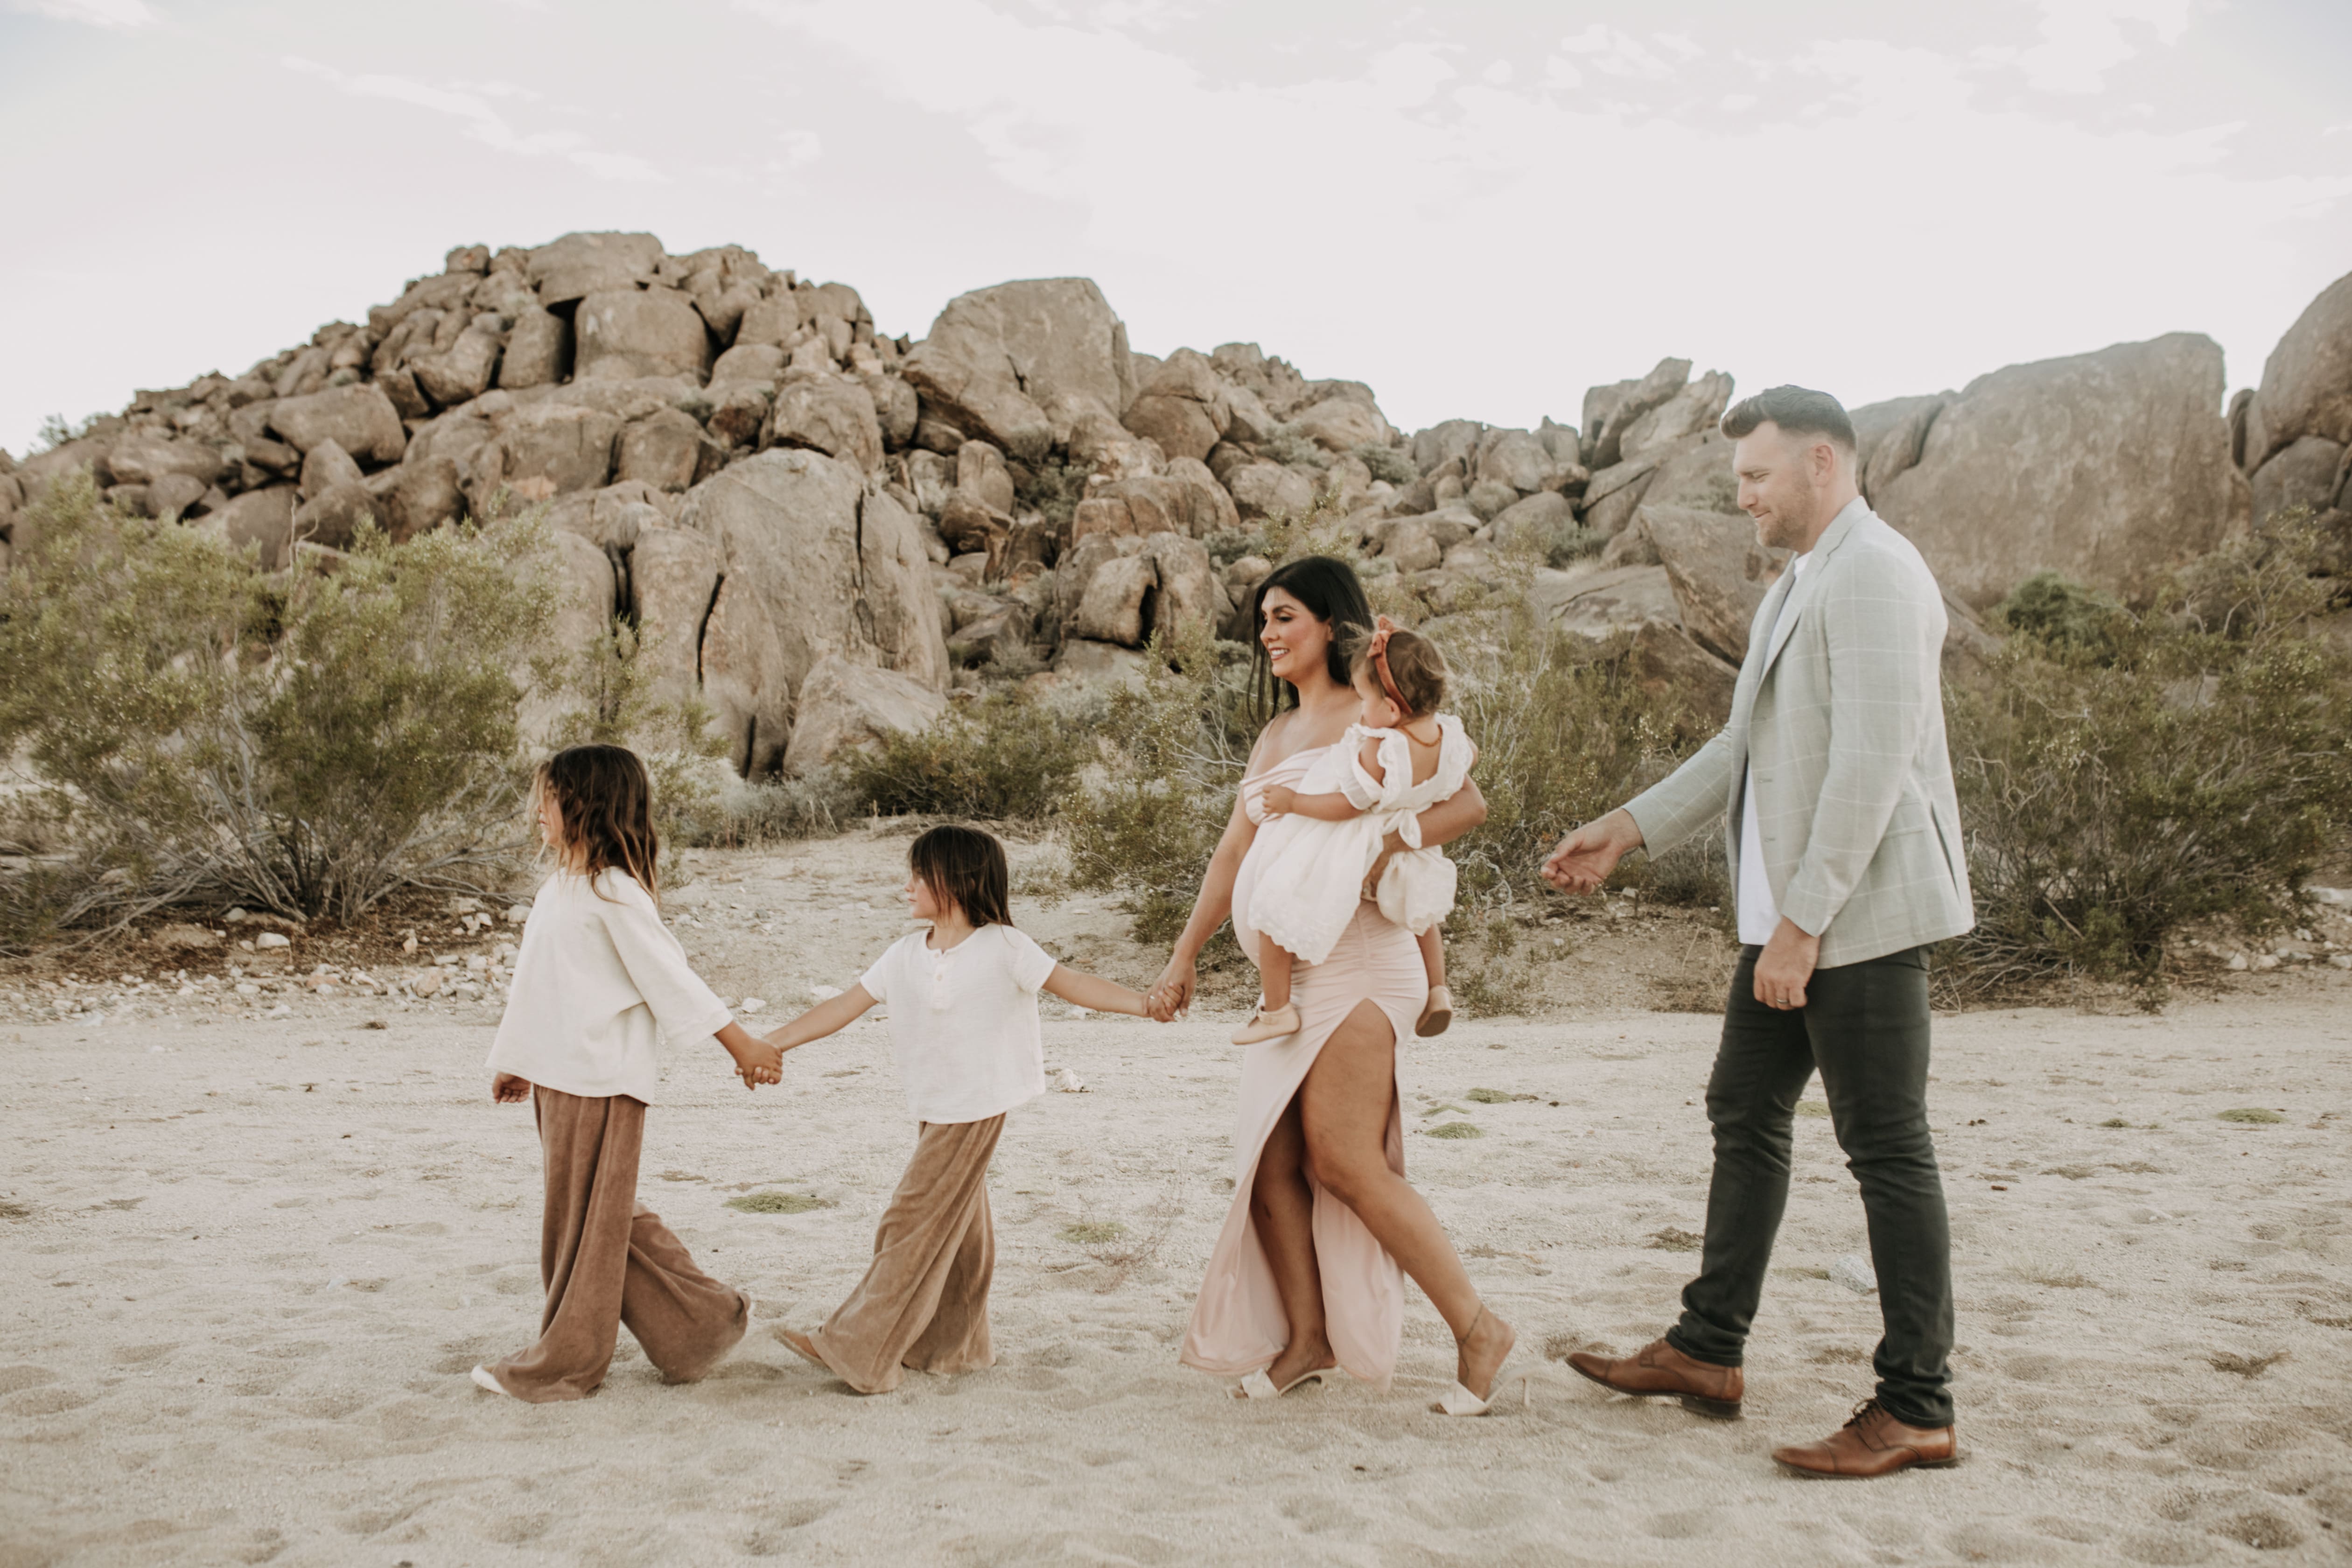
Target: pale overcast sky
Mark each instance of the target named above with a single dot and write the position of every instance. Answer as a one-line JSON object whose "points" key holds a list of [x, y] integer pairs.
{"points": [[1479, 207]]}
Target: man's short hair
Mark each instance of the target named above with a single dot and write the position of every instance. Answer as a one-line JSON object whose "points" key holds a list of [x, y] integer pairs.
{"points": [[1797, 410]]}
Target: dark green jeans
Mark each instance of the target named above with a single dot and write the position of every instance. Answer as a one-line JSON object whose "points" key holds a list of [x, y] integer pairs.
{"points": [[1865, 1025]]}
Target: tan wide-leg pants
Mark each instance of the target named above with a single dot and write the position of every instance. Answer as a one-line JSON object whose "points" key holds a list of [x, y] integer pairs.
{"points": [[607, 1260], [924, 1301]]}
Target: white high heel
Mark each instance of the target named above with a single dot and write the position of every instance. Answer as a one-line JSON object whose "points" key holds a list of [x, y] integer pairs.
{"points": [[1257, 1385], [1459, 1400]]}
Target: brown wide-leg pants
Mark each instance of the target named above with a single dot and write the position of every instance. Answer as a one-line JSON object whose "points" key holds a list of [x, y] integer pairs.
{"points": [[924, 1301], [606, 1260]]}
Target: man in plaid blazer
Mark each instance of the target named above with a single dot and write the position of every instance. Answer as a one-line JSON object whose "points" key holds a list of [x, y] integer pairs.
{"points": [[1834, 789]]}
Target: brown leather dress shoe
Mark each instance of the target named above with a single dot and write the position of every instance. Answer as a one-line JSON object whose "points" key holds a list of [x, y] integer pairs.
{"points": [[1873, 1443], [1660, 1371]]}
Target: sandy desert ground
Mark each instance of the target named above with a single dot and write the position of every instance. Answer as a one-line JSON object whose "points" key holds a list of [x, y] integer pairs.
{"points": [[250, 1259]]}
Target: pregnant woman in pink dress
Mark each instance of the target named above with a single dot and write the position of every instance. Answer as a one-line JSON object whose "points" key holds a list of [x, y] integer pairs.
{"points": [[1306, 1276]]}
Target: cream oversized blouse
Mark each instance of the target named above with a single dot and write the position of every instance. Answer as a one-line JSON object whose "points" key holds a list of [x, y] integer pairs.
{"points": [[599, 982]]}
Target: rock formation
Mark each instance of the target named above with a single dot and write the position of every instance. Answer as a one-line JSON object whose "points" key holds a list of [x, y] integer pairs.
{"points": [[821, 531]]}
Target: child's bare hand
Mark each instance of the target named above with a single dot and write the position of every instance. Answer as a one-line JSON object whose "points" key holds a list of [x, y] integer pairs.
{"points": [[1281, 800], [760, 1063], [508, 1089]]}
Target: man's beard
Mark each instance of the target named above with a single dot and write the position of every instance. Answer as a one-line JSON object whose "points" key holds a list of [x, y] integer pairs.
{"points": [[1790, 524]]}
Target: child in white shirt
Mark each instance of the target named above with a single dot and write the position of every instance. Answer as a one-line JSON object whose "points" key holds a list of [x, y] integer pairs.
{"points": [[963, 1026], [1321, 839], [599, 980]]}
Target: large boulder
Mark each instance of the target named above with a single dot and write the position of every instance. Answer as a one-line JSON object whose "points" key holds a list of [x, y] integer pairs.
{"points": [[829, 568], [1342, 423], [625, 332], [358, 417], [742, 659], [2308, 380], [668, 450], [828, 413], [1889, 436], [262, 520], [578, 265], [425, 493], [143, 458], [1718, 571], [2305, 472], [585, 592], [1185, 500], [1610, 411], [843, 705], [2106, 467], [333, 516], [1692, 411], [1183, 406], [1263, 490], [673, 576], [538, 451], [999, 361], [537, 351], [1697, 474], [462, 372]]}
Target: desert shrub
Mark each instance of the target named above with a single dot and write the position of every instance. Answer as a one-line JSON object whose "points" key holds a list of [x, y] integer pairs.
{"points": [[1293, 449], [1052, 488], [1175, 746], [2059, 614], [304, 742], [1572, 542], [729, 813], [2123, 773], [1005, 757], [1566, 731], [57, 430], [609, 700], [1388, 463]]}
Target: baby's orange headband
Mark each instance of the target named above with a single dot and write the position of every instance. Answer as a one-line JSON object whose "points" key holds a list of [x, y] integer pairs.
{"points": [[1378, 655]]}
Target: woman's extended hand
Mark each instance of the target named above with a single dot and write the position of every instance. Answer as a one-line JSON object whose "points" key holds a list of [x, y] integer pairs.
{"points": [[1171, 994]]}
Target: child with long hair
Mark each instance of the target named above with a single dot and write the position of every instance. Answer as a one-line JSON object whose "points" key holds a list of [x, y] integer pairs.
{"points": [[963, 1025], [599, 982], [1322, 839]]}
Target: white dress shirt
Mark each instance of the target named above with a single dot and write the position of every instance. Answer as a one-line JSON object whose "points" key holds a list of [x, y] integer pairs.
{"points": [[963, 1022], [1759, 915], [599, 982]]}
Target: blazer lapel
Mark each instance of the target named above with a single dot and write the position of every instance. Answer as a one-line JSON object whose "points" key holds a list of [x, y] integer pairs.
{"points": [[1801, 594]]}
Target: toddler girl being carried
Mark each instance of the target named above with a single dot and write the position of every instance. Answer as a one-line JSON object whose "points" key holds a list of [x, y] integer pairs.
{"points": [[1321, 839]]}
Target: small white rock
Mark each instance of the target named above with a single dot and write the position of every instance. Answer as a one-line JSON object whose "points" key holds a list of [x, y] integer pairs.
{"points": [[1078, 1012], [752, 1003], [476, 964], [1853, 1272], [280, 1011], [2267, 961], [824, 993], [270, 939], [248, 988], [1068, 1082], [518, 914], [2339, 959], [2237, 961]]}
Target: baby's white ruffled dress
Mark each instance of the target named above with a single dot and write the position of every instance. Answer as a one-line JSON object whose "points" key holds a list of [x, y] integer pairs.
{"points": [[1311, 873]]}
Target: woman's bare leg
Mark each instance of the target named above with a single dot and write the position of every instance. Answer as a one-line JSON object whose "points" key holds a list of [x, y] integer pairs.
{"points": [[1344, 1111], [1282, 1206], [1274, 973]]}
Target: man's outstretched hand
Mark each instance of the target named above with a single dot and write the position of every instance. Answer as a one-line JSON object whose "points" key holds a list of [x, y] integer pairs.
{"points": [[1586, 857]]}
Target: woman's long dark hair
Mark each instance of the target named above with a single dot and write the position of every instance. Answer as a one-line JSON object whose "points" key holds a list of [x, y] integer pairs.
{"points": [[1333, 594], [606, 799]]}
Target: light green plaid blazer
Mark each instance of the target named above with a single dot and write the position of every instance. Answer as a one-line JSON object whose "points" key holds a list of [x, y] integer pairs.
{"points": [[1842, 711]]}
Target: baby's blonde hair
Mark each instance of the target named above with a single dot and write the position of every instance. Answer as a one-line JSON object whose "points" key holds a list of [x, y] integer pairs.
{"points": [[1414, 664]]}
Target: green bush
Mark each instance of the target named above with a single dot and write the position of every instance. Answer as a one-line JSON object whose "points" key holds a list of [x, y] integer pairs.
{"points": [[1292, 447], [1175, 746], [304, 742], [611, 702], [773, 811], [2125, 773], [1571, 543], [1053, 489], [1007, 756], [1389, 463]]}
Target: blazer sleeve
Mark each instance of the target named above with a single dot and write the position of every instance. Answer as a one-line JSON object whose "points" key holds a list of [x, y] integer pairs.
{"points": [[685, 1007], [1689, 800], [1884, 629]]}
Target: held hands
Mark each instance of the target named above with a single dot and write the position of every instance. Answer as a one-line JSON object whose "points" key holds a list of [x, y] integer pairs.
{"points": [[507, 1089], [1586, 857], [756, 1061], [1172, 994]]}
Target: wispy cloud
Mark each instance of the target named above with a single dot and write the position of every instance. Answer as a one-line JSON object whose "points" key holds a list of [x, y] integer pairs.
{"points": [[469, 102], [121, 15], [2082, 40]]}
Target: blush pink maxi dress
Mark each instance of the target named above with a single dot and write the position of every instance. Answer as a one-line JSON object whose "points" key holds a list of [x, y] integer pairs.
{"points": [[1238, 1326]]}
